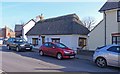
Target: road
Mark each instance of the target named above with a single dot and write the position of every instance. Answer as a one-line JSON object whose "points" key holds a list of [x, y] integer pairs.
{"points": [[13, 61]]}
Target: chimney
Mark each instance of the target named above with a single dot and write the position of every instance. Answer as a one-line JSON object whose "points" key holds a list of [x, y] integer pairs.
{"points": [[39, 18]]}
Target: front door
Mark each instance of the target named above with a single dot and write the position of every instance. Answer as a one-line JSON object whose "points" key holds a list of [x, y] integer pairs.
{"points": [[43, 39]]}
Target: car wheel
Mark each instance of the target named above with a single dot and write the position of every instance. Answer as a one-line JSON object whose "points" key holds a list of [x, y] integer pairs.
{"points": [[101, 62], [59, 56], [17, 49], [41, 53], [8, 47]]}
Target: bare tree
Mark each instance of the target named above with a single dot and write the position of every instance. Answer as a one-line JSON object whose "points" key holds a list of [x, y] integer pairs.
{"points": [[89, 22]]}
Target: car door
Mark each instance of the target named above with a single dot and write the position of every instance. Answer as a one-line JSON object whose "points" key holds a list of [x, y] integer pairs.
{"points": [[52, 49], [13, 44], [46, 48], [113, 55]]}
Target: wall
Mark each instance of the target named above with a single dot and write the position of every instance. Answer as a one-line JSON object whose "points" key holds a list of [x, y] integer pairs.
{"points": [[26, 28], [111, 24], [69, 40], [7, 32], [96, 36]]}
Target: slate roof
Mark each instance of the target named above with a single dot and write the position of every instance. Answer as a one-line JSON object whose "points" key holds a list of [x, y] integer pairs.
{"points": [[63, 25], [110, 5]]}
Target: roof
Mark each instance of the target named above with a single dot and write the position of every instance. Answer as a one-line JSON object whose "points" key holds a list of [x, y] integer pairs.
{"points": [[110, 5], [18, 27], [29, 21], [63, 25]]}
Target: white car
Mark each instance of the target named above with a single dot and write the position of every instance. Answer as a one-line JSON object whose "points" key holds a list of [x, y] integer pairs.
{"points": [[107, 55]]}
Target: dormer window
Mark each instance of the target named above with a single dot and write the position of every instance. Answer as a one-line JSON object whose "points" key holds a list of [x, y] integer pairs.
{"points": [[118, 15]]}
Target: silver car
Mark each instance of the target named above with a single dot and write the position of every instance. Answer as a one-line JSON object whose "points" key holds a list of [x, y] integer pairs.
{"points": [[107, 55]]}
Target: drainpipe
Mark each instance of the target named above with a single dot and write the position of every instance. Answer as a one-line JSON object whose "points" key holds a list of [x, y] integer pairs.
{"points": [[105, 27]]}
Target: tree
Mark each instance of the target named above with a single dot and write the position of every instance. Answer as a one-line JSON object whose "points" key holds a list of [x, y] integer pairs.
{"points": [[89, 22]]}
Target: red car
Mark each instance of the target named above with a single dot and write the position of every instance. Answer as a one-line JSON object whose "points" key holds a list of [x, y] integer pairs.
{"points": [[57, 50]]}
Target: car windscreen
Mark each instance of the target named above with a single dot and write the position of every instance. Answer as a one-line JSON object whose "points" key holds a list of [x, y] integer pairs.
{"points": [[60, 45], [20, 40]]}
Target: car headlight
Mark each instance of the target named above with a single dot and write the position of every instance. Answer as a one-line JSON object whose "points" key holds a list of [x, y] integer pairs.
{"points": [[22, 45], [66, 52]]}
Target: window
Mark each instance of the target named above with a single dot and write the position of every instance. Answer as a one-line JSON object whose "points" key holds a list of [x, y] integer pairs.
{"points": [[82, 42], [51, 45], [118, 15], [115, 39], [11, 40], [114, 49], [60, 45], [56, 40], [35, 41], [20, 40], [46, 45]]}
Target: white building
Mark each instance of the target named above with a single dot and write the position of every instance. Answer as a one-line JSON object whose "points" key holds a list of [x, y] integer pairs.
{"points": [[66, 29], [27, 27], [22, 29], [108, 30]]}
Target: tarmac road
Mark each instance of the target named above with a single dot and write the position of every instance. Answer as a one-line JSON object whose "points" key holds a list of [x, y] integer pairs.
{"points": [[28, 61]]}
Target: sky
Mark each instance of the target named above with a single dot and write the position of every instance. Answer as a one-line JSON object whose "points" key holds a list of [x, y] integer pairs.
{"points": [[17, 12]]}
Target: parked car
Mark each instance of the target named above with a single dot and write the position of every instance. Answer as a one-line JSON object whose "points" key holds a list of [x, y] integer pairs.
{"points": [[57, 50], [4, 41], [18, 44], [107, 55]]}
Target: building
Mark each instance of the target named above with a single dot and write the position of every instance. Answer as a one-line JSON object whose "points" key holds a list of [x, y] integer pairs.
{"points": [[108, 30], [18, 30], [22, 29], [6, 32], [66, 29], [27, 27]]}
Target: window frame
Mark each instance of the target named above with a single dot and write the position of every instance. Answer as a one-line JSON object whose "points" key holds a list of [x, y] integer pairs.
{"points": [[36, 41], [116, 40], [56, 39], [82, 42], [118, 15]]}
